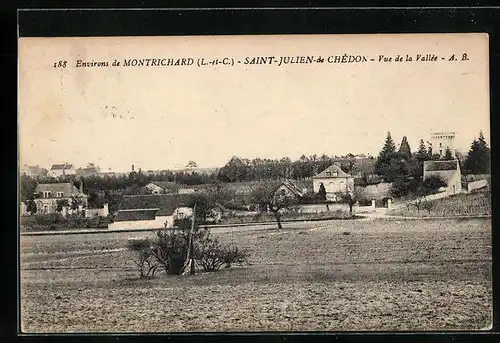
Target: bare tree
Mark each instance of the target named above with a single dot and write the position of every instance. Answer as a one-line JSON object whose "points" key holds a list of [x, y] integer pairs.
{"points": [[351, 197], [267, 197]]}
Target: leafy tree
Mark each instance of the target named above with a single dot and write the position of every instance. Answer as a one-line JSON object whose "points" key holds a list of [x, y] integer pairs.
{"points": [[322, 192], [351, 198], [61, 203], [27, 188], [447, 154], [433, 183], [31, 206], [478, 158]]}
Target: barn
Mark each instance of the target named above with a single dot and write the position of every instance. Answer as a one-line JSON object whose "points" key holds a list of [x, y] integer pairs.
{"points": [[151, 211]]}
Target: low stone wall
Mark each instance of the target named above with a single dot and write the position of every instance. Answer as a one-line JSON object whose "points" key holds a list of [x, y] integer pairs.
{"points": [[476, 185], [319, 208]]}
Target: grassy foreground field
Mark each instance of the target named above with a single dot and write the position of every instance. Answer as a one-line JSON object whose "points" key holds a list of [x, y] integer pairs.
{"points": [[317, 276]]}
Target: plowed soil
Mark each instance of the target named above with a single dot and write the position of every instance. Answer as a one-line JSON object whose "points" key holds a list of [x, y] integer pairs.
{"points": [[378, 275]]}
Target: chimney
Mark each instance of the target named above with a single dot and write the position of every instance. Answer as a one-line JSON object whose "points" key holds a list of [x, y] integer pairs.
{"points": [[81, 185], [132, 167]]}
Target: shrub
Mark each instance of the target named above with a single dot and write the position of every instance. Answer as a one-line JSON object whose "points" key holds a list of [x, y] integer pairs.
{"points": [[169, 251], [211, 255], [144, 257], [433, 183]]}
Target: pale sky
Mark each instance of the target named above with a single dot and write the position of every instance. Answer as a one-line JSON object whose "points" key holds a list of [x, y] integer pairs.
{"points": [[162, 117]]}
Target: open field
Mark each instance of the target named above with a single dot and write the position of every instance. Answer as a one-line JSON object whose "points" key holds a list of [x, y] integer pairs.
{"points": [[310, 276]]}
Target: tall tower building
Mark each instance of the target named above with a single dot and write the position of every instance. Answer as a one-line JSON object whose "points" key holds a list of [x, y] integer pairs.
{"points": [[440, 141]]}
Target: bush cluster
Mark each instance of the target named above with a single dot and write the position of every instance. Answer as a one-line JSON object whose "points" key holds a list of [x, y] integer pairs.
{"points": [[168, 251], [56, 221]]}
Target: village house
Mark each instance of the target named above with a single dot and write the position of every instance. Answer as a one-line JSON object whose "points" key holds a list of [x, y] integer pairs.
{"points": [[448, 171], [90, 170], [290, 190], [162, 187], [47, 196], [335, 181], [61, 169], [33, 171], [151, 211]]}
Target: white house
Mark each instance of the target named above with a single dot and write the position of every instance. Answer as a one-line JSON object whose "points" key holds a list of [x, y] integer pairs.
{"points": [[61, 169], [335, 180], [153, 211], [448, 171]]}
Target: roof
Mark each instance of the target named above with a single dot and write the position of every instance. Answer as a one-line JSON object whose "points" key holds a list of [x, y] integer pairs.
{"points": [[441, 165], [165, 203], [332, 169], [292, 187], [61, 166], [66, 188], [133, 215], [32, 169], [166, 185]]}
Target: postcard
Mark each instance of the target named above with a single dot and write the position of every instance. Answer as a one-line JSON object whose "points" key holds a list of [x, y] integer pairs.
{"points": [[255, 183]]}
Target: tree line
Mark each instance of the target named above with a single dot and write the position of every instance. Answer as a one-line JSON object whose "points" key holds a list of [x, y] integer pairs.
{"points": [[404, 168]]}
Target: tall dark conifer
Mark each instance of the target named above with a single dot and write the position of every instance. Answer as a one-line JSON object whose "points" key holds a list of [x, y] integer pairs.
{"points": [[478, 158]]}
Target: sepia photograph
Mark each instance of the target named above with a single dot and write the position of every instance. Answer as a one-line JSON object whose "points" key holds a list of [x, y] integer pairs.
{"points": [[265, 183]]}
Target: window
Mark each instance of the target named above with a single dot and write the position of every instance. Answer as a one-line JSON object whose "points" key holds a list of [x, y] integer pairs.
{"points": [[328, 173], [440, 145], [335, 174], [283, 192], [59, 194]]}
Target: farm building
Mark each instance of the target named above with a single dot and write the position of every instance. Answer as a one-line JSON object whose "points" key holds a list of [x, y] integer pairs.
{"points": [[448, 171], [151, 211], [335, 180]]}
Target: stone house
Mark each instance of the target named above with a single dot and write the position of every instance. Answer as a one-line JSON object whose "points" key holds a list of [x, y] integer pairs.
{"points": [[47, 196], [448, 171], [335, 180], [61, 169], [153, 211]]}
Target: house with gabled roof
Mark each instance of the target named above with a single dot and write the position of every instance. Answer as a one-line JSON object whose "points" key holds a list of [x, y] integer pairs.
{"points": [[448, 171], [61, 169], [33, 171], [162, 187], [335, 181], [289, 189], [47, 196], [152, 211]]}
